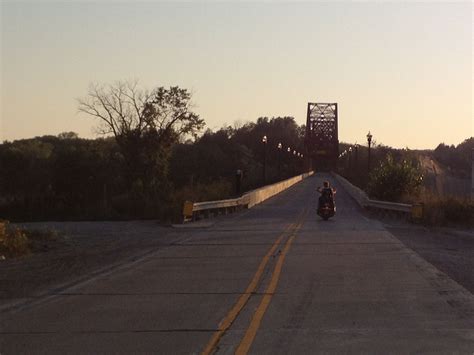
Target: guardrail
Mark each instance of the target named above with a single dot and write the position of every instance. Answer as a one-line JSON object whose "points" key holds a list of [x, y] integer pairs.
{"points": [[384, 205], [196, 210], [415, 211]]}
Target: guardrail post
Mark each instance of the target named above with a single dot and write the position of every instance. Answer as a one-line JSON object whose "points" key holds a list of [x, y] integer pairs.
{"points": [[188, 210]]}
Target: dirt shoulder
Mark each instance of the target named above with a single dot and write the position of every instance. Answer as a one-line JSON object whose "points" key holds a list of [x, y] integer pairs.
{"points": [[449, 250], [84, 248]]}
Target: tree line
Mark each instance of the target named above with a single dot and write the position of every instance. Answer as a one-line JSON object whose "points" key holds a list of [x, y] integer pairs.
{"points": [[456, 158], [149, 161], [153, 156]]}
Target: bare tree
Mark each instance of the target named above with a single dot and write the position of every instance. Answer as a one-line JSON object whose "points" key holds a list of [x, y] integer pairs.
{"points": [[145, 123], [123, 109]]}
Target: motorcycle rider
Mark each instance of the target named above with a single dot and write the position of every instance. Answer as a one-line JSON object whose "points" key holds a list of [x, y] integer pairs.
{"points": [[327, 194]]}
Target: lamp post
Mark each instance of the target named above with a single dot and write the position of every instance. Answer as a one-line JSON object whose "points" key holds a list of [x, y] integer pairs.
{"points": [[356, 149], [356, 161], [295, 162], [343, 162], [264, 142], [369, 141], [288, 166], [280, 146], [350, 160]]}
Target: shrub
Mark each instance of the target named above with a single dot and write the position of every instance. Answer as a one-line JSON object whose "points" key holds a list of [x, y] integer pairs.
{"points": [[392, 180], [448, 212], [16, 242], [13, 242]]}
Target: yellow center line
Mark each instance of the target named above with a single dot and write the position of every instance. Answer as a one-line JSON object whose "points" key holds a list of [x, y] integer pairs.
{"points": [[251, 332], [233, 313]]}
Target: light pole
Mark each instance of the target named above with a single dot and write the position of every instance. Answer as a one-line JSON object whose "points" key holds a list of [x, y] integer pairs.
{"points": [[295, 168], [344, 162], [369, 141], [279, 160], [264, 142], [350, 160], [356, 148], [288, 166]]}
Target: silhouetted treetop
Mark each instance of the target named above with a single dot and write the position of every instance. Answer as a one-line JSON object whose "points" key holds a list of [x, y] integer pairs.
{"points": [[124, 109]]}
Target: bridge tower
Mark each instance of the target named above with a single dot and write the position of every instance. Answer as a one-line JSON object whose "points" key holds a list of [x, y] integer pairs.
{"points": [[321, 140]]}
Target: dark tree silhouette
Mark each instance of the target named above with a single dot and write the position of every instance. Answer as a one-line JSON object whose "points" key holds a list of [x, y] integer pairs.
{"points": [[145, 125]]}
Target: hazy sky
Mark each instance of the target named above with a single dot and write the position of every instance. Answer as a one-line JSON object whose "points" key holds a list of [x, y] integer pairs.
{"points": [[401, 70]]}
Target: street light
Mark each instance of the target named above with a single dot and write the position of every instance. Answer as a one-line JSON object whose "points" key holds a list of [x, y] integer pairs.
{"points": [[264, 142], [279, 159], [356, 149], [294, 162], [369, 141]]}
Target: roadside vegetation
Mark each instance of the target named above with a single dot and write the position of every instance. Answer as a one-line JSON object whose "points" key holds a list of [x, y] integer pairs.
{"points": [[448, 211], [398, 175], [395, 180], [16, 242], [152, 155]]}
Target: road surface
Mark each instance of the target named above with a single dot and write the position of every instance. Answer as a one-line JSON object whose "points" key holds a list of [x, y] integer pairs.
{"points": [[275, 279]]}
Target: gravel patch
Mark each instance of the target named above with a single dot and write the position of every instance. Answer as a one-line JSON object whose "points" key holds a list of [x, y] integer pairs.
{"points": [[84, 247], [449, 250]]}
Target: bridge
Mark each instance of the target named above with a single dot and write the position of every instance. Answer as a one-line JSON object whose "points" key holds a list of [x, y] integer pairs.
{"points": [[321, 139], [274, 279]]}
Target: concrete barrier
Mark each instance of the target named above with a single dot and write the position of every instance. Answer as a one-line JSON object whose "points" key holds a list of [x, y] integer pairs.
{"points": [[257, 196], [356, 193], [193, 211], [415, 212]]}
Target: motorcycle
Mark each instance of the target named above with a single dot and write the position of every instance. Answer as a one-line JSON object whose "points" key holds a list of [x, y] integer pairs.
{"points": [[327, 210]]}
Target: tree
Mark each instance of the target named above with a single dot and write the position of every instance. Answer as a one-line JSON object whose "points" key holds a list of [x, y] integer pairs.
{"points": [[145, 125], [68, 135], [393, 180]]}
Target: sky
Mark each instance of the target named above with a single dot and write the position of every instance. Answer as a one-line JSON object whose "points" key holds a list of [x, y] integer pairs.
{"points": [[402, 70]]}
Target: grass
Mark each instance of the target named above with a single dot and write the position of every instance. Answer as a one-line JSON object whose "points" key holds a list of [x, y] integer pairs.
{"points": [[447, 211], [17, 242]]}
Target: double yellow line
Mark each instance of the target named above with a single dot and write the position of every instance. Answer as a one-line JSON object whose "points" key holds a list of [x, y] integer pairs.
{"points": [[251, 332]]}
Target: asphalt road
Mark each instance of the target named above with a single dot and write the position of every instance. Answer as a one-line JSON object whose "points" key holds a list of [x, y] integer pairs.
{"points": [[272, 280]]}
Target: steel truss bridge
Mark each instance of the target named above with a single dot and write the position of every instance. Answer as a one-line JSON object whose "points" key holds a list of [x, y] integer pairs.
{"points": [[321, 140]]}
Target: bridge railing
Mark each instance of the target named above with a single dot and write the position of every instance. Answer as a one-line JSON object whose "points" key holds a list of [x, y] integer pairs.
{"points": [[197, 210], [414, 211]]}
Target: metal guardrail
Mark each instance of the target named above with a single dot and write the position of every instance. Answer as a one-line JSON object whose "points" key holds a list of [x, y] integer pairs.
{"points": [[209, 205], [392, 206], [195, 210]]}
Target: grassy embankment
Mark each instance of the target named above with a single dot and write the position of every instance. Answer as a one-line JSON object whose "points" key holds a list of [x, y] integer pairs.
{"points": [[447, 211]]}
